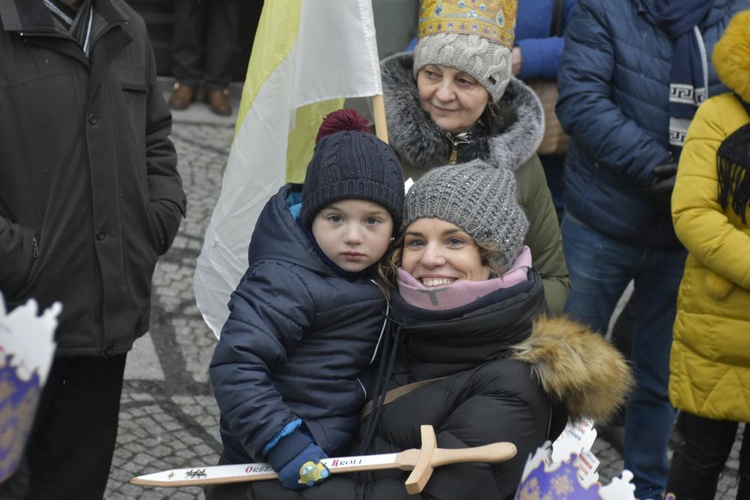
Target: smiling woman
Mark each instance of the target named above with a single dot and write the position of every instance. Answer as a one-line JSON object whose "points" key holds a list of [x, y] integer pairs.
{"points": [[460, 222], [438, 253], [454, 99], [467, 313]]}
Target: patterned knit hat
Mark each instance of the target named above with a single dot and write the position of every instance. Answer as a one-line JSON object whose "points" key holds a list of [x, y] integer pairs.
{"points": [[351, 163], [473, 37], [479, 199]]}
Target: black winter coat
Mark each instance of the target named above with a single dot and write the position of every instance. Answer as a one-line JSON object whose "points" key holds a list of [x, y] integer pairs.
{"points": [[89, 189]]}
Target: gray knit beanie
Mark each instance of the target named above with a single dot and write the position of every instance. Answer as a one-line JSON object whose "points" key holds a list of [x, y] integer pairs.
{"points": [[489, 63], [351, 164], [479, 199]]}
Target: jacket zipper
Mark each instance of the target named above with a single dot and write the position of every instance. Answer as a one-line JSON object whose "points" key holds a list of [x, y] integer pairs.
{"points": [[34, 248], [456, 140]]}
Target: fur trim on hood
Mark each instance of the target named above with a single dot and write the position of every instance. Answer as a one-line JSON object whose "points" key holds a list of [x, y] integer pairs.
{"points": [[731, 56], [577, 367], [418, 140]]}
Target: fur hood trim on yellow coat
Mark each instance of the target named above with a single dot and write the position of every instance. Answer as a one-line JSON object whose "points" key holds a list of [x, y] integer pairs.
{"points": [[731, 56], [577, 367]]}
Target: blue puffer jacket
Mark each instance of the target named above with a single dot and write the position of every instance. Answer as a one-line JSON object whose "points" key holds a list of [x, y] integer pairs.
{"points": [[614, 94], [296, 341], [540, 51]]}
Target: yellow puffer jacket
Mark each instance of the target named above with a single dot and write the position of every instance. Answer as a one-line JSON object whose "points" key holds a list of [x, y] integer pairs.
{"points": [[710, 363]]}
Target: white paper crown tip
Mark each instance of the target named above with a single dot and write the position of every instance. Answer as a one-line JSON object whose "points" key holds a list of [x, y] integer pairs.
{"points": [[53, 311], [536, 459], [620, 488], [27, 339]]}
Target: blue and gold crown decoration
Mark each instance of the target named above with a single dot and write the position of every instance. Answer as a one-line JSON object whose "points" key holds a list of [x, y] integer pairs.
{"points": [[26, 351], [491, 19], [18, 402], [554, 472]]}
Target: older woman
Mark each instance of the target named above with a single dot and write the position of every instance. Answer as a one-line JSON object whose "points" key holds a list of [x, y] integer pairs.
{"points": [[454, 100], [468, 330]]}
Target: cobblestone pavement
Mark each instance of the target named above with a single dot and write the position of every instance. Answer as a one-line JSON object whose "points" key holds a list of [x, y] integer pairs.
{"points": [[168, 418]]}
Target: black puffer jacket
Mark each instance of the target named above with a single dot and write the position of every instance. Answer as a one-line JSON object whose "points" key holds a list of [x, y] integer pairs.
{"points": [[510, 375]]}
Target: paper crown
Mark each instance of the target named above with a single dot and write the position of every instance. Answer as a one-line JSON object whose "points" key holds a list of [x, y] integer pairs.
{"points": [[563, 481], [566, 470], [491, 19], [26, 351]]}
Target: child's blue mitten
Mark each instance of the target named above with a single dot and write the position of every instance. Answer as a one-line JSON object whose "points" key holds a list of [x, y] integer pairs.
{"points": [[296, 458]]}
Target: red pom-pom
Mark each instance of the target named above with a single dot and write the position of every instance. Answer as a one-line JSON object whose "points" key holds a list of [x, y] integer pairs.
{"points": [[341, 120]]}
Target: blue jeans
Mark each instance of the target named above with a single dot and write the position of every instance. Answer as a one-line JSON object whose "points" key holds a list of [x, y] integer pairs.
{"points": [[600, 269]]}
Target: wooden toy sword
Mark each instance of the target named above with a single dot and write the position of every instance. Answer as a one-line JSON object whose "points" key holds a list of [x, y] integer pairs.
{"points": [[420, 461]]}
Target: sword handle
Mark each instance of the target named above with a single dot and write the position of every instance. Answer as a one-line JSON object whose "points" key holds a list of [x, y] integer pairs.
{"points": [[430, 457]]}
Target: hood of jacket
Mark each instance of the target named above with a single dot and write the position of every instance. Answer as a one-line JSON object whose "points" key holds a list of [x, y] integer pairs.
{"points": [[284, 239], [731, 56], [576, 366], [517, 129]]}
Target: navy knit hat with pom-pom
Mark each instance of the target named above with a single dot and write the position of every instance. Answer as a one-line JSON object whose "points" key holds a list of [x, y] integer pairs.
{"points": [[351, 163]]}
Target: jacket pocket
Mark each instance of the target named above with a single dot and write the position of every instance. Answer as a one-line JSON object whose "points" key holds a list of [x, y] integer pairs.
{"points": [[134, 93], [133, 87], [14, 283], [135, 96], [717, 286]]}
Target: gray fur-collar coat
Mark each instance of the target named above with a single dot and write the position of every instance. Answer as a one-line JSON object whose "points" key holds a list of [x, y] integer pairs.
{"points": [[518, 125]]}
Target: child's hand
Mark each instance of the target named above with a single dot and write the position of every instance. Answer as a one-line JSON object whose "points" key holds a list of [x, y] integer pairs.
{"points": [[296, 459]]}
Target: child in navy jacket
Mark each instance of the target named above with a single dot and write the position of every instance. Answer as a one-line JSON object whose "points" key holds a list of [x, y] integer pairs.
{"points": [[306, 317]]}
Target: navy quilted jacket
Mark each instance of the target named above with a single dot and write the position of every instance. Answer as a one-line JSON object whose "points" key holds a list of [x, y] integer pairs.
{"points": [[614, 93], [296, 341]]}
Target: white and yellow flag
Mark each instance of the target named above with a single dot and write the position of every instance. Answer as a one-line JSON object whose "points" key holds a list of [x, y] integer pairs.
{"points": [[308, 55]]}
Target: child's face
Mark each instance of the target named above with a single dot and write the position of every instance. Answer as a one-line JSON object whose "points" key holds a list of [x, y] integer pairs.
{"points": [[354, 234]]}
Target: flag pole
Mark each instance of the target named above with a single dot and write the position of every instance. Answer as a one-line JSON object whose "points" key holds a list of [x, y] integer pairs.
{"points": [[378, 113]]}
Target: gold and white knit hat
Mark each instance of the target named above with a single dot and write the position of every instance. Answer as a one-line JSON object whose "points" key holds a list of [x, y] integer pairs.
{"points": [[474, 36]]}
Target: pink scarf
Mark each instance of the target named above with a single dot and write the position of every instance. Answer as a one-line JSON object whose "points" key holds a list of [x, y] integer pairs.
{"points": [[461, 292]]}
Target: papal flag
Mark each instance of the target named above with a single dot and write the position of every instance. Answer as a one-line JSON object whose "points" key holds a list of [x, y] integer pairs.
{"points": [[308, 55]]}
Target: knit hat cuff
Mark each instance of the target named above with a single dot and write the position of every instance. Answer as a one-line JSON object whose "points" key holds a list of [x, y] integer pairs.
{"points": [[478, 199], [487, 62], [359, 189]]}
